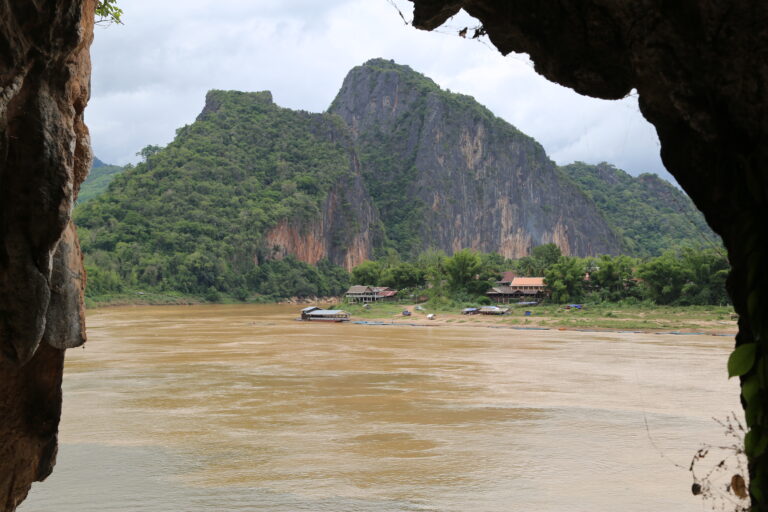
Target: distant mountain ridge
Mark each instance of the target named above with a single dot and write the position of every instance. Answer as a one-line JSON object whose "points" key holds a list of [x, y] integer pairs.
{"points": [[649, 214], [98, 180], [446, 173], [395, 163]]}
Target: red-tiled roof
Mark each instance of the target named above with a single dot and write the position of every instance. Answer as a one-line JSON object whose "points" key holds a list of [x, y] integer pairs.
{"points": [[527, 281]]}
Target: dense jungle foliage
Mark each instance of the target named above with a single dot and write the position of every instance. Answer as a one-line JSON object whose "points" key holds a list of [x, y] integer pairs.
{"points": [[650, 214], [191, 216], [680, 277], [99, 178]]}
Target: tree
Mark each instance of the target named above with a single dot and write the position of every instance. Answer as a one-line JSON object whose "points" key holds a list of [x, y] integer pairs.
{"points": [[495, 261], [612, 276], [148, 151], [566, 280], [547, 254], [465, 273], [431, 263], [462, 268], [108, 12], [687, 276], [542, 257], [404, 275], [367, 273]]}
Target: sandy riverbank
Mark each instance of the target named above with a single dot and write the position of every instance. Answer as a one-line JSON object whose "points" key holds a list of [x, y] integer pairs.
{"points": [[603, 318]]}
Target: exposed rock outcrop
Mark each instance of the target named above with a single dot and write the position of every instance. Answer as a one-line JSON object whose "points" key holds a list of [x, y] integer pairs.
{"points": [[701, 73], [247, 182], [345, 233], [44, 156], [446, 173]]}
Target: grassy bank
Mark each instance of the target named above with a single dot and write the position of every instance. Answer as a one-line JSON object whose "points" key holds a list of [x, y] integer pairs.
{"points": [[714, 319], [640, 317], [152, 298], [140, 298]]}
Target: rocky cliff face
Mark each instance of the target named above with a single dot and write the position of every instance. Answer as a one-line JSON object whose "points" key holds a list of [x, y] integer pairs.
{"points": [[344, 233], [44, 156], [344, 230], [247, 182], [446, 173]]}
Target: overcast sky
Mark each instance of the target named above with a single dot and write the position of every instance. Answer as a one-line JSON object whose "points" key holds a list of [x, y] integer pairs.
{"points": [[151, 74]]}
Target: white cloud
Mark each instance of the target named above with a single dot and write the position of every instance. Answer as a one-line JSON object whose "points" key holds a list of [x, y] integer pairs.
{"points": [[150, 75]]}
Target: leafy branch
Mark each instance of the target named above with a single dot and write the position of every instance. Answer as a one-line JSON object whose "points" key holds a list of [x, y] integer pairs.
{"points": [[107, 12]]}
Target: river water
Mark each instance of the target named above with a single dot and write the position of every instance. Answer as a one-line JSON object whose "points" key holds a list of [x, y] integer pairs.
{"points": [[241, 408]]}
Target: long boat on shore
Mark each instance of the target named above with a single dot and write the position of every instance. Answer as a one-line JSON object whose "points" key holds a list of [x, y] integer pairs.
{"points": [[315, 314]]}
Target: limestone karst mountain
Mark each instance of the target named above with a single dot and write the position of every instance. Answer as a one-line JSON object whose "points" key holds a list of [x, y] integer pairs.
{"points": [[395, 163], [446, 173]]}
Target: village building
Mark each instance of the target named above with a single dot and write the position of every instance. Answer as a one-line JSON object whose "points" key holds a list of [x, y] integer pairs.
{"points": [[517, 289], [384, 293], [506, 278], [365, 294]]}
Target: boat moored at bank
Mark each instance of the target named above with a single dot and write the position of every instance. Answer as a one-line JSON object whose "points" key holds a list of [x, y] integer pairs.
{"points": [[316, 314]]}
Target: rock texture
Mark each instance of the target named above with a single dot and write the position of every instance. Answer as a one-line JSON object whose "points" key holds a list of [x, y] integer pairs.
{"points": [[701, 73], [344, 234], [44, 156], [446, 173], [247, 182]]}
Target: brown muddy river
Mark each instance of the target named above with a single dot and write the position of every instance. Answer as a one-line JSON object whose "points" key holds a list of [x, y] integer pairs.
{"points": [[240, 408]]}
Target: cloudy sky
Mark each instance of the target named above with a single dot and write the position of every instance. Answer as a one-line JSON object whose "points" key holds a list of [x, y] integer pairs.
{"points": [[151, 74]]}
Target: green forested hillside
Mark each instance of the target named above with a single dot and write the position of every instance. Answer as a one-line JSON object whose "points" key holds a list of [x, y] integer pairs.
{"points": [[397, 167], [192, 216], [98, 180], [650, 214]]}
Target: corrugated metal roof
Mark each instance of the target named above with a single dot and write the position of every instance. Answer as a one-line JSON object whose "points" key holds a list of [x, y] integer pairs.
{"points": [[310, 308], [502, 289], [387, 293], [358, 288], [322, 312]]}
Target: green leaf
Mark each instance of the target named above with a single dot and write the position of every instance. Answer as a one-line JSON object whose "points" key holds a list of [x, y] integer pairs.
{"points": [[750, 388], [755, 443], [742, 359], [756, 489]]}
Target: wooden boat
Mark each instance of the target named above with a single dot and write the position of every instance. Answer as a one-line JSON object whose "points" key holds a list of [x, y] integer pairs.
{"points": [[315, 314], [493, 310]]}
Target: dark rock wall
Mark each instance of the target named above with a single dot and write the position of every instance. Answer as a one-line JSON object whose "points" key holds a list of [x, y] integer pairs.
{"points": [[700, 68], [44, 156], [476, 180], [701, 71]]}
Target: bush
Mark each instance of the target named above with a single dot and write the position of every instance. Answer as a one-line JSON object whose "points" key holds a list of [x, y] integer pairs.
{"points": [[212, 295]]}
